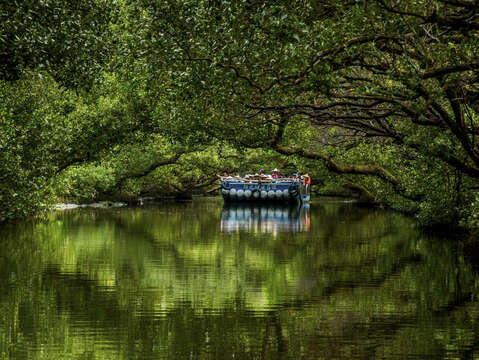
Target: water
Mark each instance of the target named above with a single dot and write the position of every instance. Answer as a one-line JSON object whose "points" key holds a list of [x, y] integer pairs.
{"points": [[201, 281]]}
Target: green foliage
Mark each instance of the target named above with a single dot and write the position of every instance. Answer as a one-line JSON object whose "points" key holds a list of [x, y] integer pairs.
{"points": [[70, 39], [31, 142], [84, 184], [361, 84], [243, 67], [46, 128]]}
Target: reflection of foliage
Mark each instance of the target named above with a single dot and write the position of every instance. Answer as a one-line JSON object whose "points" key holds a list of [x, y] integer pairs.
{"points": [[166, 274]]}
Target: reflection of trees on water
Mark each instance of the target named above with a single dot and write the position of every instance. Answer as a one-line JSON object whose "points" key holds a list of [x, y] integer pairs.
{"points": [[360, 284], [264, 218]]}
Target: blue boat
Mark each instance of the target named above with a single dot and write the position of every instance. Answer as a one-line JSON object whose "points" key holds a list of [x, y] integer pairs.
{"points": [[283, 190]]}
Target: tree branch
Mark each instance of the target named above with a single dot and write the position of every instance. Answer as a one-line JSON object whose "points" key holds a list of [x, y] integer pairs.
{"points": [[171, 160], [436, 73]]}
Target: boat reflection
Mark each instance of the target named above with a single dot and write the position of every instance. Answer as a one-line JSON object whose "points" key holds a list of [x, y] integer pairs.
{"points": [[264, 218]]}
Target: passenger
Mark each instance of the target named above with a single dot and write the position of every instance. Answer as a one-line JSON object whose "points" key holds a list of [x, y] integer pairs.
{"points": [[262, 175], [224, 176], [275, 174], [307, 181], [257, 177]]}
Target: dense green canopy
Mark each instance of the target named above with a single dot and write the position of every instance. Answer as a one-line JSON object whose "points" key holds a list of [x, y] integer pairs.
{"points": [[70, 39], [379, 97]]}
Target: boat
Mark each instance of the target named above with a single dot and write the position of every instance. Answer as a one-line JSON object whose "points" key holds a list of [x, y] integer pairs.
{"points": [[282, 190]]}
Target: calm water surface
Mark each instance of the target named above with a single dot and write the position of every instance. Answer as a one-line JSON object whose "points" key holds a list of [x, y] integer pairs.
{"points": [[197, 280]]}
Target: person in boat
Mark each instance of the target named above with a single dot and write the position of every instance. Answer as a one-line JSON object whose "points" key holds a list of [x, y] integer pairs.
{"points": [[307, 181], [262, 175], [275, 174], [224, 176]]}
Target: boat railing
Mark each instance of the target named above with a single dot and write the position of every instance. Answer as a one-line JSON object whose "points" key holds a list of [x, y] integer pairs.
{"points": [[258, 181]]}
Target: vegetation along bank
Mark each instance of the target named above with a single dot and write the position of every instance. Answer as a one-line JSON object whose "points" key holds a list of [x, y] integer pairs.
{"points": [[111, 100]]}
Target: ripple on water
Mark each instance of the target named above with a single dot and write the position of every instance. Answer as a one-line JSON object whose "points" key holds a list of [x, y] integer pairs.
{"points": [[196, 280]]}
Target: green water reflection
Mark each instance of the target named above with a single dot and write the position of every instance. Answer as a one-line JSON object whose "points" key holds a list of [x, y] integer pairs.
{"points": [[196, 280]]}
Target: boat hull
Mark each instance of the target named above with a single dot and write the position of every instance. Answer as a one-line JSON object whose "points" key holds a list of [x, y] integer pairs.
{"points": [[281, 191]]}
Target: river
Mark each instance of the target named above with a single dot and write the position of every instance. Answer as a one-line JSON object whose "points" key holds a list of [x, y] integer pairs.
{"points": [[198, 280]]}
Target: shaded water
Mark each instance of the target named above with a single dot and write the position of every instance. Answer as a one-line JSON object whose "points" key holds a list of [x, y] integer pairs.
{"points": [[199, 280]]}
